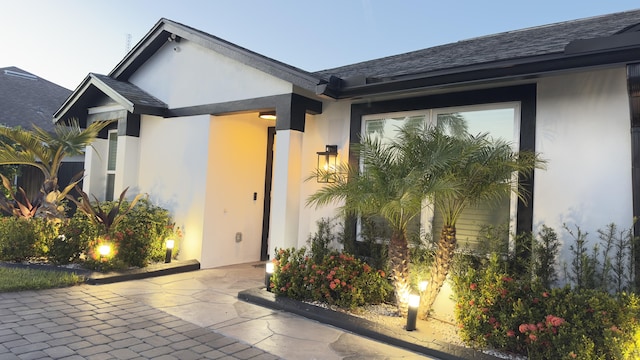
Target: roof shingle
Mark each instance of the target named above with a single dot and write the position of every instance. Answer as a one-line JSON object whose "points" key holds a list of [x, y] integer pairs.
{"points": [[27, 100], [531, 42]]}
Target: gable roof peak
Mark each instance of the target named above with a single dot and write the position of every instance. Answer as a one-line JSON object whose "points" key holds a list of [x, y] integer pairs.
{"points": [[166, 30]]}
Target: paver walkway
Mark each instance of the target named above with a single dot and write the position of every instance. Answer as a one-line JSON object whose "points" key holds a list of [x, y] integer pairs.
{"points": [[88, 322], [194, 315]]}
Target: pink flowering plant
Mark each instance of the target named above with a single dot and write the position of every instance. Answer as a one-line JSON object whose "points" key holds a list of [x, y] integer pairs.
{"points": [[338, 279], [499, 310]]}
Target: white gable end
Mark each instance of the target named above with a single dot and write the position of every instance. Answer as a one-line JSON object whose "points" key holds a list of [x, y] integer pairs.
{"points": [[185, 74]]}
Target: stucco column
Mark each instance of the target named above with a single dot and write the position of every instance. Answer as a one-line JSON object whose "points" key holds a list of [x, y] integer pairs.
{"points": [[94, 176], [285, 198], [127, 165]]}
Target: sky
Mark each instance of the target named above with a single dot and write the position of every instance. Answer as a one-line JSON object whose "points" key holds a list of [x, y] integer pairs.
{"points": [[64, 40]]}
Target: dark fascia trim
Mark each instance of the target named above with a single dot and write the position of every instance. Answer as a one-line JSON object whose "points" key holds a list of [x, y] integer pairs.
{"points": [[72, 99], [130, 125], [165, 29], [618, 41], [503, 70], [92, 80], [525, 94], [231, 107], [290, 109]]}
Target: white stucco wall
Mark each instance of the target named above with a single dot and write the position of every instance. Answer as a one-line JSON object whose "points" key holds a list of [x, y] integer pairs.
{"points": [[285, 204], [95, 168], [236, 170], [127, 165], [583, 130], [195, 75], [173, 170], [329, 128]]}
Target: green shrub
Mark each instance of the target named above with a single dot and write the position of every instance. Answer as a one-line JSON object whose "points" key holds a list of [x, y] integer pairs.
{"points": [[291, 266], [143, 232], [498, 311], [339, 279], [73, 240], [95, 261], [21, 239], [137, 239], [320, 242]]}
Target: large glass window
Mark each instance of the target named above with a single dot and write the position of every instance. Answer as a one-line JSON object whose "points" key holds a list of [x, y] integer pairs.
{"points": [[499, 120]]}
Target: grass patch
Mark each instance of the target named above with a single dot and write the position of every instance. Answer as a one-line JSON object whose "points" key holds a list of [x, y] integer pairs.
{"points": [[15, 279]]}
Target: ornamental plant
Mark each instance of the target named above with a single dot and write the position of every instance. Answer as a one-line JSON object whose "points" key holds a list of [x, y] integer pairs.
{"points": [[136, 231], [72, 241], [106, 215], [339, 279], [21, 238], [143, 232], [498, 310]]}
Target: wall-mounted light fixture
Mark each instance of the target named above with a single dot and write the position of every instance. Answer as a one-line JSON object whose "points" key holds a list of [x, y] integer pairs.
{"points": [[267, 115], [327, 164], [169, 244]]}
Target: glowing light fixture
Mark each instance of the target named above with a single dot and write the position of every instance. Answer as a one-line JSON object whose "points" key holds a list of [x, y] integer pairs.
{"points": [[327, 164], [414, 303], [169, 244], [104, 250], [268, 271], [267, 115], [422, 286]]}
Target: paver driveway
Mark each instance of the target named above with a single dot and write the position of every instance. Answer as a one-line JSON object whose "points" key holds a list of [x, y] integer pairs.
{"points": [[91, 322], [193, 315]]}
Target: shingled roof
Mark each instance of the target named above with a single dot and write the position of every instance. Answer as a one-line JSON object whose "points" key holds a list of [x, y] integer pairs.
{"points": [[27, 100], [515, 55], [136, 96], [558, 41], [126, 94]]}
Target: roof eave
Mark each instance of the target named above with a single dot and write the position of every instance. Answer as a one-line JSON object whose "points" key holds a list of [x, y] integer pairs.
{"points": [[515, 68], [92, 80], [71, 100]]}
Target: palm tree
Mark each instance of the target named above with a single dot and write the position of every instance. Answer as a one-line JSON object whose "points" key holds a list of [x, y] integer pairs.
{"points": [[46, 151], [392, 187], [485, 170]]}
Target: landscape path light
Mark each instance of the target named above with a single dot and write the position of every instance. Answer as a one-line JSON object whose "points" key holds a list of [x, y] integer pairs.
{"points": [[268, 271], [169, 244], [104, 250], [414, 303]]}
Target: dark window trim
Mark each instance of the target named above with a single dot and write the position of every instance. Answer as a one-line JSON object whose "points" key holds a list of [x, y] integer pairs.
{"points": [[525, 94], [633, 88]]}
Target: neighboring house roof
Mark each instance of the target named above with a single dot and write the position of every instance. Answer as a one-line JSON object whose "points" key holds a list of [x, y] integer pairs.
{"points": [[27, 100]]}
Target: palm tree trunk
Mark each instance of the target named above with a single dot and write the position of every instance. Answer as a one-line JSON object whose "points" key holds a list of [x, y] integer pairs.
{"points": [[439, 269], [49, 185], [399, 266]]}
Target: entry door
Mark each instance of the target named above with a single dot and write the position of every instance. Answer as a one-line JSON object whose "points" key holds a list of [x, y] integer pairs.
{"points": [[268, 179]]}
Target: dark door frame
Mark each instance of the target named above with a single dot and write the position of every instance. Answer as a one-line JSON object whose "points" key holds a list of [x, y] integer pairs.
{"points": [[268, 179]]}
